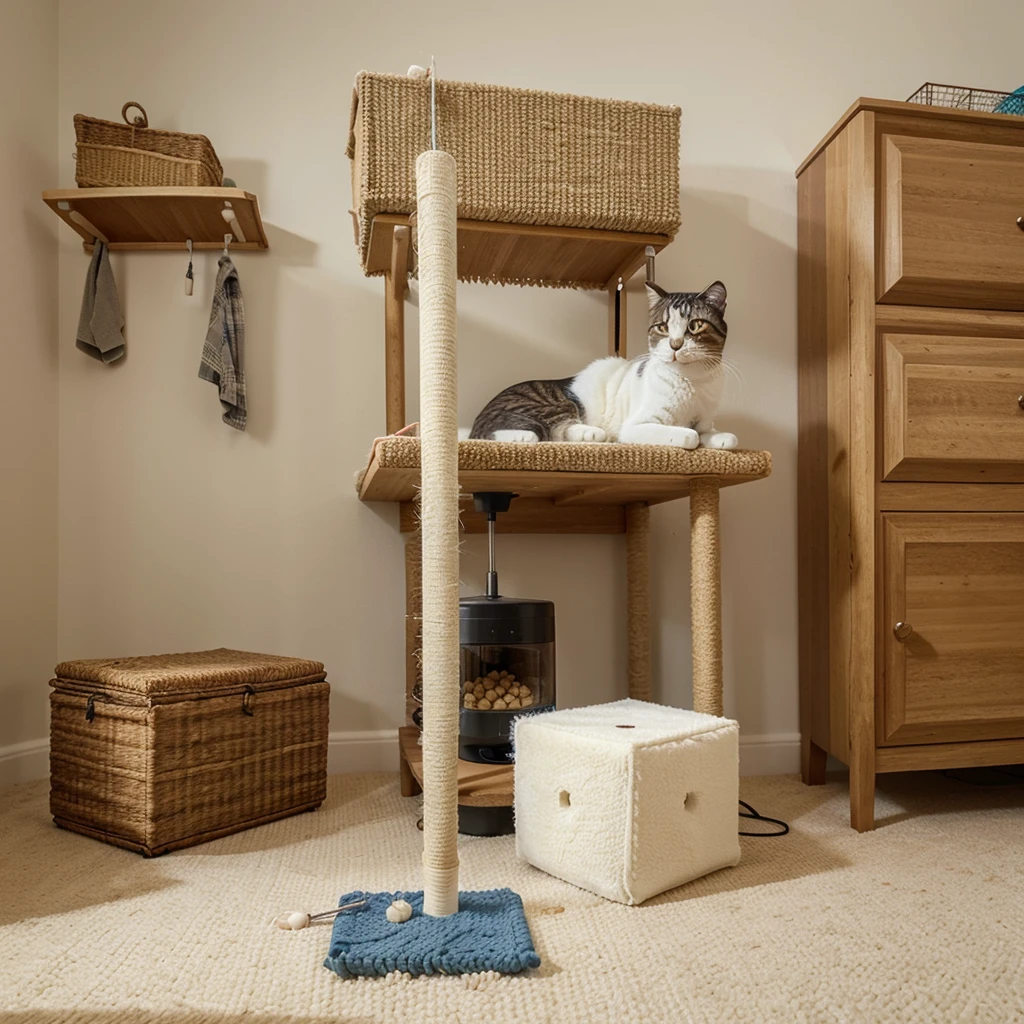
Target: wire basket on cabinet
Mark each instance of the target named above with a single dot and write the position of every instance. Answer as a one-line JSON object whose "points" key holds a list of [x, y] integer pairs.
{"points": [[962, 97]]}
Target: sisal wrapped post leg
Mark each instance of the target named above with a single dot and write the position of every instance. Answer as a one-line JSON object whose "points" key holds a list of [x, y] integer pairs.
{"points": [[435, 203], [638, 599], [706, 596]]}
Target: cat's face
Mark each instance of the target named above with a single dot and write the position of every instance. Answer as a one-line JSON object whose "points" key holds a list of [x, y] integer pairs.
{"points": [[687, 327]]}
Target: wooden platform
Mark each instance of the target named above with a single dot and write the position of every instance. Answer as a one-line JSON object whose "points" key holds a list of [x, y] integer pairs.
{"points": [[160, 218], [480, 785], [586, 258], [587, 496]]}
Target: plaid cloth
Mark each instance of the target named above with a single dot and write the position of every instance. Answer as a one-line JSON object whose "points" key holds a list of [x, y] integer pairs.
{"points": [[224, 349]]}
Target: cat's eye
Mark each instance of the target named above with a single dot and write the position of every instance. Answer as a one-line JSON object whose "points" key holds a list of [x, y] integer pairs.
{"points": [[661, 328], [696, 325]]}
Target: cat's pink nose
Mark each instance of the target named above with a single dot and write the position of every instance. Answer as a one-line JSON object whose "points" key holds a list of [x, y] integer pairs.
{"points": [[676, 343]]}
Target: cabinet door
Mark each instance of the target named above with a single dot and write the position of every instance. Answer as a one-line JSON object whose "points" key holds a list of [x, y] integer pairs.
{"points": [[949, 223], [953, 408], [954, 670]]}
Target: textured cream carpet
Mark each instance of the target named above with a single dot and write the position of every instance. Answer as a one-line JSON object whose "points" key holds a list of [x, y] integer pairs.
{"points": [[921, 920]]}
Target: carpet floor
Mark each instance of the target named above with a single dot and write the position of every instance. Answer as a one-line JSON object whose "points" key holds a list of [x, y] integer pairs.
{"points": [[920, 920]]}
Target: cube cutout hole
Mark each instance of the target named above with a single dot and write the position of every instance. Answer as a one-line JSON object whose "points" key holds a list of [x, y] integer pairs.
{"points": [[563, 799]]}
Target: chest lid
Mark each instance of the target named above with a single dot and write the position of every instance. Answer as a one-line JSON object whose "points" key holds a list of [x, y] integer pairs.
{"points": [[192, 675]]}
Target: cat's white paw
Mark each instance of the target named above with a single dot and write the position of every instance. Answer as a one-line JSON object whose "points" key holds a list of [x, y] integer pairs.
{"points": [[717, 439], [581, 432], [682, 437], [516, 436]]}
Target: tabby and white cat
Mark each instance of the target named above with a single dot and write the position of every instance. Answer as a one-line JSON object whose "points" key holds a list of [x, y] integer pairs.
{"points": [[667, 396]]}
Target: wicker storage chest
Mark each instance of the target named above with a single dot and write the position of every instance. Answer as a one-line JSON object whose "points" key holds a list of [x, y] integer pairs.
{"points": [[161, 752], [524, 157]]}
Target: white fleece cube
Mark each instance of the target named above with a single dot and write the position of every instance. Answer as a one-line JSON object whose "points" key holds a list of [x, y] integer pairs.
{"points": [[627, 799]]}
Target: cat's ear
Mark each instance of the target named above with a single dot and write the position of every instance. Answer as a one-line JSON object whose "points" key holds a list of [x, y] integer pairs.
{"points": [[654, 294], [714, 295]]}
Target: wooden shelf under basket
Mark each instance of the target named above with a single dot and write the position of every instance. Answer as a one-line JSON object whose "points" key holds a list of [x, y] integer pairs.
{"points": [[531, 253], [159, 218], [554, 501], [480, 785]]}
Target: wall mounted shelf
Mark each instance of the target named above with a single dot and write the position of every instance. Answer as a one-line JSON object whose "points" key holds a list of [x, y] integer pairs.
{"points": [[154, 219]]}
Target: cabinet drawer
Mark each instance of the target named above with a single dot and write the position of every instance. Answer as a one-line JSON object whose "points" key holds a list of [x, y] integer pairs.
{"points": [[953, 408], [956, 583], [949, 232]]}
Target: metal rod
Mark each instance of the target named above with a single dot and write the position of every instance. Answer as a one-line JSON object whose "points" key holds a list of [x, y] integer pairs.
{"points": [[492, 572], [649, 253]]}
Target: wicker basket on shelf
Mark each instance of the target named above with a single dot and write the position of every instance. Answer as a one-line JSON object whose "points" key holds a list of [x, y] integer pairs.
{"points": [[114, 155]]}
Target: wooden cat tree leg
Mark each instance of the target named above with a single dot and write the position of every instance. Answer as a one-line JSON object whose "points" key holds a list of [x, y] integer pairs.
{"points": [[638, 599], [396, 284], [706, 596], [413, 617]]}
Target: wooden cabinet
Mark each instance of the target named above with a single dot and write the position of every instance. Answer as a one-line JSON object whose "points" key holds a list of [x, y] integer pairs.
{"points": [[911, 437], [949, 211], [953, 630], [953, 407]]}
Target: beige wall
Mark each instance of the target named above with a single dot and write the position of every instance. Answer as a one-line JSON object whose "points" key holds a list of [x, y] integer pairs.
{"points": [[28, 381], [176, 532]]}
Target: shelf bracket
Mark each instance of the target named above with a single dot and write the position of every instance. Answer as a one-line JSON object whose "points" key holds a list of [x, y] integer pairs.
{"points": [[396, 284]]}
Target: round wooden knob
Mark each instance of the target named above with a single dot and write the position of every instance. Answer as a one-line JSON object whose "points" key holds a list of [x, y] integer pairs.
{"points": [[902, 630], [1020, 401], [1020, 223]]}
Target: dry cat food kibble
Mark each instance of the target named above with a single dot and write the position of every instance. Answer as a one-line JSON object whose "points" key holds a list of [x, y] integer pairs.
{"points": [[496, 691]]}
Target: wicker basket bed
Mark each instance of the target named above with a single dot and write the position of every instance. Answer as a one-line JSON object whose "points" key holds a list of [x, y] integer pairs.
{"points": [[524, 157]]}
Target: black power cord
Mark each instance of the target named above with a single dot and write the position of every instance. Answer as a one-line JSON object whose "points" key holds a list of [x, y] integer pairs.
{"points": [[755, 816]]}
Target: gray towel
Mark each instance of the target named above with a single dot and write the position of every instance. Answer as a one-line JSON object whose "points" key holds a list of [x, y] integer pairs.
{"points": [[100, 323], [224, 349]]}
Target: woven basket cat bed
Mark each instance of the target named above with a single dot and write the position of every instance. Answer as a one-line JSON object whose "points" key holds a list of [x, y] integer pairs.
{"points": [[524, 157]]}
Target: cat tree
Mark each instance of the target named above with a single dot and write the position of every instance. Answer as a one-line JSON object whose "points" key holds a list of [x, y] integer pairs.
{"points": [[563, 487]]}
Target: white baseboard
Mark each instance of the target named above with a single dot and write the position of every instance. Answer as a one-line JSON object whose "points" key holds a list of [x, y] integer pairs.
{"points": [[377, 751], [371, 751], [23, 762], [771, 754]]}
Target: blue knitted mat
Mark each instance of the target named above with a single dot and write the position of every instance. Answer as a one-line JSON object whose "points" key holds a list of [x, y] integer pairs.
{"points": [[489, 933]]}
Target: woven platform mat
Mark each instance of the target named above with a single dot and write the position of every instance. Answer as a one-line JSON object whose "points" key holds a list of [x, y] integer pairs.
{"points": [[196, 670], [559, 456]]}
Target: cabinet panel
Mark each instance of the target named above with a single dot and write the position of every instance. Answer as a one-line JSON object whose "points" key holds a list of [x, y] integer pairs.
{"points": [[956, 583], [949, 214], [953, 408]]}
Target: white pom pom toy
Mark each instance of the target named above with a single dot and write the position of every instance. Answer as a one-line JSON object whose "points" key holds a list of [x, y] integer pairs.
{"points": [[415, 71], [398, 912], [294, 920]]}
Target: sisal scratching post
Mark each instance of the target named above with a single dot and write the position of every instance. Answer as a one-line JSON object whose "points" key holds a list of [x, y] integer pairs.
{"points": [[447, 932], [638, 599], [706, 596], [439, 432]]}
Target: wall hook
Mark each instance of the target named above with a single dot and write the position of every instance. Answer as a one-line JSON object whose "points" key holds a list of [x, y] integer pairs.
{"points": [[188, 273], [227, 241]]}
